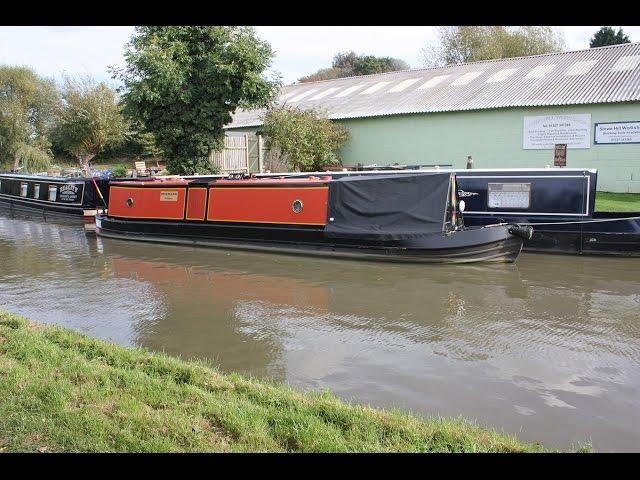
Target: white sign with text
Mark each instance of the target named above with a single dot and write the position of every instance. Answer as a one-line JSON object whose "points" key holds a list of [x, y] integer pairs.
{"points": [[617, 132], [544, 132]]}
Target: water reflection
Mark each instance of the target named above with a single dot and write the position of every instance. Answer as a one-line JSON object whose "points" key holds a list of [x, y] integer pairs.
{"points": [[548, 348]]}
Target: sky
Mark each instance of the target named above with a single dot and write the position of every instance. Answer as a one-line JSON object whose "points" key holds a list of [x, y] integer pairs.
{"points": [[299, 51]]}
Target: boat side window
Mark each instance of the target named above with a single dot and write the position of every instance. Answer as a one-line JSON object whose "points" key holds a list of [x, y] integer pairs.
{"points": [[36, 190], [23, 189], [53, 193], [509, 195]]}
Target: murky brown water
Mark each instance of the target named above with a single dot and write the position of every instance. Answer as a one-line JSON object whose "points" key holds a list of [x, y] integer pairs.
{"points": [[547, 349]]}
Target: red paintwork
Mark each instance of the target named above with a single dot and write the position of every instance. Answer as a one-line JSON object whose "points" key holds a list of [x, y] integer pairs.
{"points": [[147, 202], [248, 202], [196, 204]]}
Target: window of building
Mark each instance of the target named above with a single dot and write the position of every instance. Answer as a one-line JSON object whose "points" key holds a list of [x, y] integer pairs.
{"points": [[53, 193], [509, 195], [23, 189]]}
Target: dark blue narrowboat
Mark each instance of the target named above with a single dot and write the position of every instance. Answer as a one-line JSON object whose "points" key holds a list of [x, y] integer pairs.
{"points": [[559, 203], [76, 198]]}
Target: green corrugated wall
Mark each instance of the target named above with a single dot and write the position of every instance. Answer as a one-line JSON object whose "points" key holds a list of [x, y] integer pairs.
{"points": [[493, 138]]}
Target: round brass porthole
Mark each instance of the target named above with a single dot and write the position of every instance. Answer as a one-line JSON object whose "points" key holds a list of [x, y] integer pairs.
{"points": [[129, 202], [296, 206]]}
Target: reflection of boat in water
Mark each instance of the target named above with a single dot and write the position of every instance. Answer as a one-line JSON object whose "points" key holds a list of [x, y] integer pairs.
{"points": [[408, 218], [55, 197]]}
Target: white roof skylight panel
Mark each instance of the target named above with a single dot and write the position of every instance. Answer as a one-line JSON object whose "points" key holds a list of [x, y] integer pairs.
{"points": [[374, 88], [403, 85], [501, 75], [324, 93], [284, 96], [625, 63], [580, 68], [303, 95], [540, 71], [350, 90], [467, 78], [432, 82]]}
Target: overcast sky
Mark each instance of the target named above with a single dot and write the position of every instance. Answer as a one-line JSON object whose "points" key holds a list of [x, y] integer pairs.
{"points": [[299, 51]]}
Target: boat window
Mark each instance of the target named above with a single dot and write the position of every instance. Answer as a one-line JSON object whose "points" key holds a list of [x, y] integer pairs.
{"points": [[509, 195], [23, 189], [53, 193], [36, 190]]}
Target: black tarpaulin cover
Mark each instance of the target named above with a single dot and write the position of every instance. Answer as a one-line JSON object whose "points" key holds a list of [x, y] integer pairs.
{"points": [[387, 207]]}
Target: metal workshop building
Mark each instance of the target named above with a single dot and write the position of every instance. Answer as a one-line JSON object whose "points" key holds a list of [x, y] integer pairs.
{"points": [[504, 113]]}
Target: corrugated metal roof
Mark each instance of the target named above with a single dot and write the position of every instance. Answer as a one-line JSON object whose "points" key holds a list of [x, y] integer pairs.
{"points": [[597, 75]]}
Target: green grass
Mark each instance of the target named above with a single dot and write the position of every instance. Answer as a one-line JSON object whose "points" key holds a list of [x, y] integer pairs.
{"points": [[617, 202], [62, 391]]}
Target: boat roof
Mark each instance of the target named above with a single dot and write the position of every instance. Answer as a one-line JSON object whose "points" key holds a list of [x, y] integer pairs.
{"points": [[51, 178]]}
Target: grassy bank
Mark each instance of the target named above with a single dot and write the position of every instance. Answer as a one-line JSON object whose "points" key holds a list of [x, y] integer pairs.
{"points": [[61, 391], [617, 202]]}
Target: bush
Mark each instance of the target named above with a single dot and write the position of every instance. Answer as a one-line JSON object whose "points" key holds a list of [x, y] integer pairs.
{"points": [[306, 139], [119, 171]]}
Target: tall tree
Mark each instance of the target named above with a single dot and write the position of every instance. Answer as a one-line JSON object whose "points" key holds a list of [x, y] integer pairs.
{"points": [[183, 84], [89, 119], [462, 44], [27, 111], [608, 36], [349, 64]]}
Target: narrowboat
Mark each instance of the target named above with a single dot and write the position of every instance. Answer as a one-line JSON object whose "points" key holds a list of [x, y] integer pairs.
{"points": [[560, 205], [79, 198], [404, 218]]}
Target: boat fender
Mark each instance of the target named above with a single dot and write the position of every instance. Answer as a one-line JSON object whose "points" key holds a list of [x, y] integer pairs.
{"points": [[522, 231]]}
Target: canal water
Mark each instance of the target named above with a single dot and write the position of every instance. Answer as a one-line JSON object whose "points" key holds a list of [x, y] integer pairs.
{"points": [[547, 349]]}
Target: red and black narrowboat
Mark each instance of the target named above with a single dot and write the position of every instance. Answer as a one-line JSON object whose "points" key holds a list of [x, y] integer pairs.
{"points": [[74, 198], [411, 218]]}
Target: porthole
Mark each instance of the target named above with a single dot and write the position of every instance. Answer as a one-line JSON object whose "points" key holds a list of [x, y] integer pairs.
{"points": [[296, 206], [36, 190], [53, 193], [23, 189], [129, 202]]}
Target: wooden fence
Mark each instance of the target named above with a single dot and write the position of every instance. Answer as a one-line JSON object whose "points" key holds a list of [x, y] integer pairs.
{"points": [[235, 156]]}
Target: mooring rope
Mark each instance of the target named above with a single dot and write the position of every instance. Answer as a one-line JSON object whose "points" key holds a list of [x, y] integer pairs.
{"points": [[599, 220]]}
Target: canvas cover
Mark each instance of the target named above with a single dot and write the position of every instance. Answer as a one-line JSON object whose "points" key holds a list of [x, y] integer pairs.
{"points": [[387, 207]]}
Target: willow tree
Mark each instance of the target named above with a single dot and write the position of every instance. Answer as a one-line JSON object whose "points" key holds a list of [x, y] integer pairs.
{"points": [[471, 43], [27, 112], [184, 82], [89, 119]]}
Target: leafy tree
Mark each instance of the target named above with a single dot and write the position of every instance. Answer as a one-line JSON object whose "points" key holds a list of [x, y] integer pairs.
{"points": [[462, 44], [183, 84], [306, 139], [89, 119], [350, 64], [27, 111], [608, 36]]}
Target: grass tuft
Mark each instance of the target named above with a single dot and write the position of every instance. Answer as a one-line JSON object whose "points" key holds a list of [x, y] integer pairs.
{"points": [[617, 202]]}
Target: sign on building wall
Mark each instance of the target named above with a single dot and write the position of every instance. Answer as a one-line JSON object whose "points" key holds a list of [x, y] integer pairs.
{"points": [[617, 132], [544, 132]]}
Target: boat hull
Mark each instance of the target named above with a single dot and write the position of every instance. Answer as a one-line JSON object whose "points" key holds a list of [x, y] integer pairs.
{"points": [[493, 243]]}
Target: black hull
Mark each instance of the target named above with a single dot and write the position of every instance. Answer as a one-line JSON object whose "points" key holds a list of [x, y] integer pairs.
{"points": [[32, 209], [491, 244]]}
